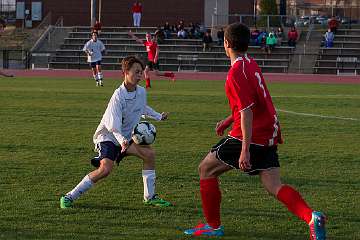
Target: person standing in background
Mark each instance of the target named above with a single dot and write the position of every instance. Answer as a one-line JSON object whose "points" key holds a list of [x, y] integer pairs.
{"points": [[136, 11]]}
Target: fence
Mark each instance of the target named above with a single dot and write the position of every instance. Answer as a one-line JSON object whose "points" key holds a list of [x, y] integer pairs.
{"points": [[15, 58], [8, 10]]}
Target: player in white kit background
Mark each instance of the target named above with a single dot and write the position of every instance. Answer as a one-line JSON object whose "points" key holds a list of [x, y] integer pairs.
{"points": [[94, 48]]}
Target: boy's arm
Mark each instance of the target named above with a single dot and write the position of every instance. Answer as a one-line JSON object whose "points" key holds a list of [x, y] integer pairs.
{"points": [[156, 54], [151, 113], [132, 35], [246, 129], [5, 74], [223, 124]]}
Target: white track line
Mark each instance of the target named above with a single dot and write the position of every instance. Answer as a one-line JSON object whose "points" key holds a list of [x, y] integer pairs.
{"points": [[317, 115]]}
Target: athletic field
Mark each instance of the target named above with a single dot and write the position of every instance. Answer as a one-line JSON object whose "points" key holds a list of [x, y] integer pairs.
{"points": [[46, 141]]}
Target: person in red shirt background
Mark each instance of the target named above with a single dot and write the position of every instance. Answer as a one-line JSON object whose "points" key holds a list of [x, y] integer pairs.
{"points": [[136, 11], [152, 50], [292, 37], [333, 24], [97, 27], [251, 145]]}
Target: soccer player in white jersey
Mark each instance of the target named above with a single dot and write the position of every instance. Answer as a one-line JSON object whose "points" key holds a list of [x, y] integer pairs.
{"points": [[112, 137], [94, 49]]}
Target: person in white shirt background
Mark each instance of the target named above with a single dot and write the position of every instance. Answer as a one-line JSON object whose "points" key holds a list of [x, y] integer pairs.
{"points": [[94, 49], [112, 136]]}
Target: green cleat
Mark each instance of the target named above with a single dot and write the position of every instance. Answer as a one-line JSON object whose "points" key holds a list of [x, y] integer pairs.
{"points": [[157, 201], [66, 202]]}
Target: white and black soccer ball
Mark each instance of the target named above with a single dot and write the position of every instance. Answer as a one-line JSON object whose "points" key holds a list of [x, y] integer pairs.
{"points": [[144, 133]]}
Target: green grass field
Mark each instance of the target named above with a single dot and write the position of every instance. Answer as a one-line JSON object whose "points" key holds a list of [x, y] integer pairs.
{"points": [[46, 141]]}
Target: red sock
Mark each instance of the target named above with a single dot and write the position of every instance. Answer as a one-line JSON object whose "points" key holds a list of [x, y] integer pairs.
{"points": [[211, 199], [147, 81], [295, 203], [169, 74]]}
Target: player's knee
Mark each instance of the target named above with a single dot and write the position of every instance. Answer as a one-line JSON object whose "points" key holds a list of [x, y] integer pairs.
{"points": [[104, 170]]}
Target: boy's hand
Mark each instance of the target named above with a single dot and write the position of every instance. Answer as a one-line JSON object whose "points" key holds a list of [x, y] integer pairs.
{"points": [[124, 146], [164, 116]]}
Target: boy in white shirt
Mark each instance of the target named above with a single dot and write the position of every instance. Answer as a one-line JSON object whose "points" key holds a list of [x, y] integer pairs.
{"points": [[94, 49], [112, 137]]}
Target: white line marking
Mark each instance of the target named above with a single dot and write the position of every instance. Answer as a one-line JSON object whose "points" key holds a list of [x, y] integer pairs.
{"points": [[319, 96], [317, 115]]}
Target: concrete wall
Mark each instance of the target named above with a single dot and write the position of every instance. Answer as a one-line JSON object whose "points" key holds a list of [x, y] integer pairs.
{"points": [[155, 12]]}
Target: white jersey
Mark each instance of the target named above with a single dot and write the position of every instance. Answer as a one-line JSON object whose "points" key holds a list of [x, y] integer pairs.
{"points": [[123, 112], [95, 48]]}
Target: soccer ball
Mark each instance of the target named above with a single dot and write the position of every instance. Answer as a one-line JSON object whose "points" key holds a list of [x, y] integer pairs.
{"points": [[144, 133]]}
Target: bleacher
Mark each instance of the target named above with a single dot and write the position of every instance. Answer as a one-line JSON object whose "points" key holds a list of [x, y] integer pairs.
{"points": [[343, 57], [119, 45]]}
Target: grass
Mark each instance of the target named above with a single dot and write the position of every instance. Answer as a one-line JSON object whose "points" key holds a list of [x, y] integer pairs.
{"points": [[47, 127]]}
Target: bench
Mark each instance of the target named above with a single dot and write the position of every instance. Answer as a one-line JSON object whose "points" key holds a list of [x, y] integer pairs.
{"points": [[341, 61], [191, 59]]}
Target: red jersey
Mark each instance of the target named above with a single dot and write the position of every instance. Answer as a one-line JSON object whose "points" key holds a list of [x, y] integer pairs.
{"points": [[136, 8], [151, 48], [245, 88]]}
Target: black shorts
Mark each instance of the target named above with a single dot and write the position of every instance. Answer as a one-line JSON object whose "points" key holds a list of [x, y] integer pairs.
{"points": [[153, 66], [228, 151], [108, 150], [94, 64]]}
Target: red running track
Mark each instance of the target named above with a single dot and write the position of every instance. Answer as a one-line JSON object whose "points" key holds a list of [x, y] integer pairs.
{"points": [[269, 77]]}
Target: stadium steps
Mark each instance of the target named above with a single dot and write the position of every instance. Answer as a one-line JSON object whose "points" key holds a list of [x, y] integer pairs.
{"points": [[119, 45], [346, 46]]}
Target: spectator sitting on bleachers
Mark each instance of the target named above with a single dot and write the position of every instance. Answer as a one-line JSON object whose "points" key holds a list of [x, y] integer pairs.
{"points": [[167, 30], [292, 37], [2, 25], [220, 36], [182, 33], [254, 37], [159, 35], [270, 42], [262, 39], [329, 39], [333, 24], [207, 41], [279, 35]]}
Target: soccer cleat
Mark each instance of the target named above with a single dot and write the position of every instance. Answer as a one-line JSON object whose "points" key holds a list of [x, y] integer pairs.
{"points": [[66, 202], [205, 230], [317, 226], [101, 82], [157, 201]]}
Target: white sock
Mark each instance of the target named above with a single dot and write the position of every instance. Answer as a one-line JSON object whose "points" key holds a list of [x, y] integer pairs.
{"points": [[100, 75], [81, 188], [149, 183]]}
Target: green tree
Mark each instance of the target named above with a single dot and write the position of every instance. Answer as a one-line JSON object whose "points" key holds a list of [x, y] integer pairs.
{"points": [[269, 7]]}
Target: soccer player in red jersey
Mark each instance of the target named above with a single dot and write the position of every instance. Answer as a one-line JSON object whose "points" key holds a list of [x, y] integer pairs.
{"points": [[251, 145], [152, 50]]}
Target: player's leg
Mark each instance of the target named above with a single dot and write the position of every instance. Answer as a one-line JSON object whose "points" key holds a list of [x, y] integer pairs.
{"points": [[147, 75], [147, 154], [106, 165], [108, 153], [94, 72], [170, 75], [209, 170], [292, 199], [99, 73]]}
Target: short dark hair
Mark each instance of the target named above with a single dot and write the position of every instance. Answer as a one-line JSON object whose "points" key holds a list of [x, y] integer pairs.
{"points": [[238, 36], [129, 61], [95, 33]]}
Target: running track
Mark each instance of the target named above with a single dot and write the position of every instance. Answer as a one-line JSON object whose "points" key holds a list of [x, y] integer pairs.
{"points": [[269, 77]]}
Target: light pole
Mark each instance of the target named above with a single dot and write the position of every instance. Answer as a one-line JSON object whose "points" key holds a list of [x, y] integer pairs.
{"points": [[93, 12]]}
